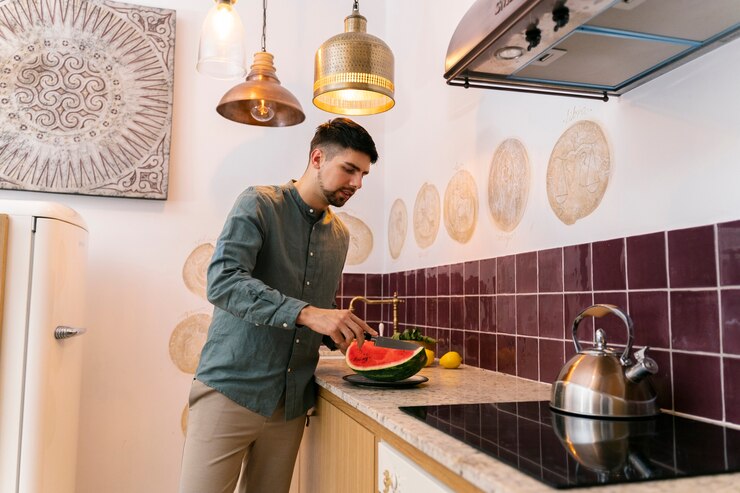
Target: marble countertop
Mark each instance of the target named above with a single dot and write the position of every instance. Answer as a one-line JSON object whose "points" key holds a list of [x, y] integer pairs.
{"points": [[469, 385]]}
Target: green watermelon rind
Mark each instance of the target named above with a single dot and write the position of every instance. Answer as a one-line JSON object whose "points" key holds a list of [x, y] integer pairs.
{"points": [[396, 372]]}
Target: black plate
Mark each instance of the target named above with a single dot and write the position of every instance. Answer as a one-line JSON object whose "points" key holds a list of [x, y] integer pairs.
{"points": [[401, 384]]}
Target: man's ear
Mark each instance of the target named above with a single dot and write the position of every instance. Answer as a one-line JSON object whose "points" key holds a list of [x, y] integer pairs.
{"points": [[316, 158]]}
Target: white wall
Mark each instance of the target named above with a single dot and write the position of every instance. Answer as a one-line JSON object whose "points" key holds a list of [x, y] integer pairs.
{"points": [[133, 395], [674, 142]]}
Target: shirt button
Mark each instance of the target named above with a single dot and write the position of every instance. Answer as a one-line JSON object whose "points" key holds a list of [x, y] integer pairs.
{"points": [[285, 324], [308, 283], [290, 370], [297, 341], [310, 210], [311, 254]]}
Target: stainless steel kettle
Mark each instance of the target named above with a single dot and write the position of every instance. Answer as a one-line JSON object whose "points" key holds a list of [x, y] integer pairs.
{"points": [[597, 382]]}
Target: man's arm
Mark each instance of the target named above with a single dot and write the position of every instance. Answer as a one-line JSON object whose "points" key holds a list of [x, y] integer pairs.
{"points": [[342, 326], [231, 286]]}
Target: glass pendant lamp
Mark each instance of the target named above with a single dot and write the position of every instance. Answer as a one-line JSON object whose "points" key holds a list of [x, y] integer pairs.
{"points": [[353, 71], [261, 100], [221, 53]]}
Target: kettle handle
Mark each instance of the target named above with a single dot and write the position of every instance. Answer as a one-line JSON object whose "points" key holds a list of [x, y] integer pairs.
{"points": [[599, 311]]}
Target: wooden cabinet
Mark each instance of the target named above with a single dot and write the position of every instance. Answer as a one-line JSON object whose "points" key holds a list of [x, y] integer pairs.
{"points": [[337, 454]]}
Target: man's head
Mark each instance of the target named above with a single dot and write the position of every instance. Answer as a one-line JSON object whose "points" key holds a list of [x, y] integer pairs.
{"points": [[340, 134], [341, 154]]}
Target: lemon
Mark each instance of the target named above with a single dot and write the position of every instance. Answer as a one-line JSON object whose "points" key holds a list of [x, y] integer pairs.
{"points": [[430, 356], [451, 359]]}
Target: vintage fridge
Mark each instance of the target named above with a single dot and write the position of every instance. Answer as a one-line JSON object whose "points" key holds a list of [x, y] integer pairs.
{"points": [[43, 252]]}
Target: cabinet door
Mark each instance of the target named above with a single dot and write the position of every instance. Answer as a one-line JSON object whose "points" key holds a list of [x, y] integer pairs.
{"points": [[399, 474], [338, 454]]}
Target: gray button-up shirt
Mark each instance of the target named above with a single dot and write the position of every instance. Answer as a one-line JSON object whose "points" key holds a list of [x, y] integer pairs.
{"points": [[275, 255]]}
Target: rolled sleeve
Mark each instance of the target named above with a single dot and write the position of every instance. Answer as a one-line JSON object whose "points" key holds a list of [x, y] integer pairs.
{"points": [[231, 285]]}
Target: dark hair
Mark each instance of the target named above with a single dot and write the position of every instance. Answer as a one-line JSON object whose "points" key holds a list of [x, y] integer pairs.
{"points": [[344, 133]]}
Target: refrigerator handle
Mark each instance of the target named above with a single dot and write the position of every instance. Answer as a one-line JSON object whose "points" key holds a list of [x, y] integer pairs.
{"points": [[63, 332]]}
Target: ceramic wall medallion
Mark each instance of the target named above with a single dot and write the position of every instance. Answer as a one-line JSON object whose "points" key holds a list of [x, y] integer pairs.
{"points": [[195, 269], [508, 184], [86, 97], [360, 238], [461, 206], [578, 172], [398, 221], [426, 215], [187, 340]]}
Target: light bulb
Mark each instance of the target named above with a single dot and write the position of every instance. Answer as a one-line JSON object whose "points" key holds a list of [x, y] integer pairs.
{"points": [[224, 20], [262, 110]]}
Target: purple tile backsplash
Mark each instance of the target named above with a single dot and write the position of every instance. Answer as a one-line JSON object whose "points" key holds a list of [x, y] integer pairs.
{"points": [[513, 314]]}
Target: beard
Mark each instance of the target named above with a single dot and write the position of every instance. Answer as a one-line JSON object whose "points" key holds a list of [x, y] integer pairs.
{"points": [[337, 197]]}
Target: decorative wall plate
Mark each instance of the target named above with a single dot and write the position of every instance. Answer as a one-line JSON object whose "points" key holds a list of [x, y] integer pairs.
{"points": [[578, 172], [426, 215], [86, 97], [508, 184], [187, 340], [360, 239], [195, 270], [461, 206], [398, 222]]}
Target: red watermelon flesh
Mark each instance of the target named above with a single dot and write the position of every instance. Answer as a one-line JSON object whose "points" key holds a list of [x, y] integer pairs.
{"points": [[385, 364]]}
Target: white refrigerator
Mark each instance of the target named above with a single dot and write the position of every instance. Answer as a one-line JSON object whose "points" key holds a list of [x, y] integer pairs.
{"points": [[42, 319]]}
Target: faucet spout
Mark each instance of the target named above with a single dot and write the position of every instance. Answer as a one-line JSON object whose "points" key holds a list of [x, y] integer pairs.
{"points": [[378, 301]]}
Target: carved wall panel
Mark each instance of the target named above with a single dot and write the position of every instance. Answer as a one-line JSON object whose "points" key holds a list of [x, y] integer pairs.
{"points": [[86, 97]]}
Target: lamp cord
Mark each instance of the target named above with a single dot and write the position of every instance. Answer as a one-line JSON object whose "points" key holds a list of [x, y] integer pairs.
{"points": [[264, 25]]}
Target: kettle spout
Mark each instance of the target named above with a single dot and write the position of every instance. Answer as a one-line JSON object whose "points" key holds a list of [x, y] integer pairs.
{"points": [[644, 367]]}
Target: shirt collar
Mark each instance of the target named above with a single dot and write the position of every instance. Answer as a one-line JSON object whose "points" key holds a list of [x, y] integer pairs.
{"points": [[308, 212]]}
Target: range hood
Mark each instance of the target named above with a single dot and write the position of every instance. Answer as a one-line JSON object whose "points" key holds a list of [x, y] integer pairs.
{"points": [[583, 48]]}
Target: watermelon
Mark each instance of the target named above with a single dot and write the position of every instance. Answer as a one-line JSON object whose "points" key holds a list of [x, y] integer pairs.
{"points": [[385, 364]]}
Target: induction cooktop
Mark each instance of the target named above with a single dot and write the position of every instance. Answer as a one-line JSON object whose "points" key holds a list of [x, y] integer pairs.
{"points": [[568, 451]]}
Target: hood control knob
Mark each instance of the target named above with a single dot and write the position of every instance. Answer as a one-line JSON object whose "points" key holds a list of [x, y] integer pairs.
{"points": [[533, 35], [560, 15]]}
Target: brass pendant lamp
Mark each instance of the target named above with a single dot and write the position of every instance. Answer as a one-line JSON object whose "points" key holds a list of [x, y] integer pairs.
{"points": [[261, 100], [353, 71]]}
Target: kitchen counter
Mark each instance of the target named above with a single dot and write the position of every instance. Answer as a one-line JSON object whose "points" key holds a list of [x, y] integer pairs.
{"points": [[468, 385]]}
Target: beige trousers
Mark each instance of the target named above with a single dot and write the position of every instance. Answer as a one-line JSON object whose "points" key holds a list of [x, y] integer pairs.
{"points": [[224, 439]]}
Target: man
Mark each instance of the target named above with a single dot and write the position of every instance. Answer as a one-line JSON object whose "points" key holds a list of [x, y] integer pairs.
{"points": [[272, 279]]}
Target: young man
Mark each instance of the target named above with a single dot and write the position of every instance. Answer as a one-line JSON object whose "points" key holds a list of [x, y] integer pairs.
{"points": [[272, 279]]}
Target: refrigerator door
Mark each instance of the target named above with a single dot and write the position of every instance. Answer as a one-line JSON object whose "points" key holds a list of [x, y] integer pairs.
{"points": [[51, 402]]}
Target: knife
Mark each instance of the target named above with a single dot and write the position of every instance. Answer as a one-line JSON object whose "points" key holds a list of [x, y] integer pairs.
{"points": [[390, 343]]}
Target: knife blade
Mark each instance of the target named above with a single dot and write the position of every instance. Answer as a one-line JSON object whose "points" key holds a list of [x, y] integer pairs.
{"points": [[390, 343]]}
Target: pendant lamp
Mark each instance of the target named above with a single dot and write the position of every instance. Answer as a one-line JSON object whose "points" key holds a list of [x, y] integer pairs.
{"points": [[221, 52], [261, 100], [353, 71]]}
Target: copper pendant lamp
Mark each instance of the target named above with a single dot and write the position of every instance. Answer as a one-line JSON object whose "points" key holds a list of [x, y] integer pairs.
{"points": [[353, 71], [261, 100]]}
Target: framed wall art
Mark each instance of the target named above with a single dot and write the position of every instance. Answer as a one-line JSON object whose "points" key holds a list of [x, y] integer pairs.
{"points": [[86, 92]]}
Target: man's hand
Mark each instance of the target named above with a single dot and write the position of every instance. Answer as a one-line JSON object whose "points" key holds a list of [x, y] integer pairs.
{"points": [[342, 326]]}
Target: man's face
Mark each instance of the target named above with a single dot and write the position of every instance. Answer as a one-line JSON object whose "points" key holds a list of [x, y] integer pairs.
{"points": [[340, 175]]}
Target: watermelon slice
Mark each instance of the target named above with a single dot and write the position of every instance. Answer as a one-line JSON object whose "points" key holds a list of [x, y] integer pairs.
{"points": [[385, 364]]}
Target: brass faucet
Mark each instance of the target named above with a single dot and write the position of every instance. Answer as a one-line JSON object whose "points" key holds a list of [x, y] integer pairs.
{"points": [[379, 301]]}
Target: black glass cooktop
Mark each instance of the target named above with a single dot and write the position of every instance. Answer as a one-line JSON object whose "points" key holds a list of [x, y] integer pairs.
{"points": [[566, 451]]}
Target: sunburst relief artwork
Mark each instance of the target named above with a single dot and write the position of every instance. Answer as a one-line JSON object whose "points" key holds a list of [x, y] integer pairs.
{"points": [[86, 92]]}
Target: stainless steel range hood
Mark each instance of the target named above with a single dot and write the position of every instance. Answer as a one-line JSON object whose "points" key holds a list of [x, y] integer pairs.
{"points": [[583, 48]]}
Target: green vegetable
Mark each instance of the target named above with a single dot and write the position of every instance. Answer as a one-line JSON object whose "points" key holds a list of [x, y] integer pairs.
{"points": [[413, 335]]}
